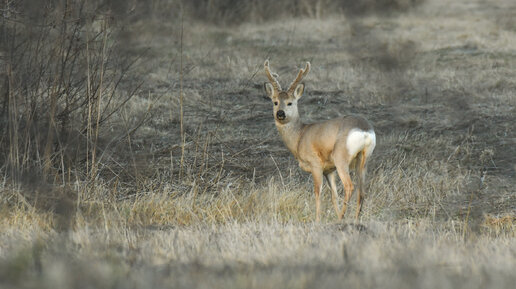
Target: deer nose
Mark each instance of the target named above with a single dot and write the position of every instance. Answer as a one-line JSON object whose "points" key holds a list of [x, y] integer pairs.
{"points": [[280, 115]]}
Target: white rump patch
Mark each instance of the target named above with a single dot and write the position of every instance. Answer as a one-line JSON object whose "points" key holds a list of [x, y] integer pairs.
{"points": [[358, 140]]}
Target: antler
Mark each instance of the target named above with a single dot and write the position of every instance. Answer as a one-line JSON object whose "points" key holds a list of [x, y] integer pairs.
{"points": [[271, 76], [302, 73]]}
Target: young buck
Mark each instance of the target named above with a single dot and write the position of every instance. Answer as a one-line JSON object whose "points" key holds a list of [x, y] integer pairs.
{"points": [[326, 148]]}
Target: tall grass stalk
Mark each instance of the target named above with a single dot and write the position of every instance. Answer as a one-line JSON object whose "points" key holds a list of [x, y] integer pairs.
{"points": [[181, 111]]}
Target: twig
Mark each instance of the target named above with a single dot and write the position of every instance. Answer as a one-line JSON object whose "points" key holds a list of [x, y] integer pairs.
{"points": [[181, 103], [279, 172]]}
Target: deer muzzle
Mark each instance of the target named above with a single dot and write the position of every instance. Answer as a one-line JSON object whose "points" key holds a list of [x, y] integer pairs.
{"points": [[280, 115]]}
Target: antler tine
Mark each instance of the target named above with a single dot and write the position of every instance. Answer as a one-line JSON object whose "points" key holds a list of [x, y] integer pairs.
{"points": [[271, 76], [302, 73]]}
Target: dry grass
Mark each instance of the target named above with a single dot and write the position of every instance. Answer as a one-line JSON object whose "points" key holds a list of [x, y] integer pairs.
{"points": [[437, 81], [260, 254]]}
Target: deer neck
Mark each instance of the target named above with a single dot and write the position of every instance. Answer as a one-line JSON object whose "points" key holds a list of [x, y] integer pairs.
{"points": [[291, 133]]}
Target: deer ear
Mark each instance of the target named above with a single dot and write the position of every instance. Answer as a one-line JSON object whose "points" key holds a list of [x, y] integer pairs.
{"points": [[269, 89], [299, 90]]}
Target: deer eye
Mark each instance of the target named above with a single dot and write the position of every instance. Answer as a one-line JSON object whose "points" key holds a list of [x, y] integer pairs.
{"points": [[289, 104], [275, 103]]}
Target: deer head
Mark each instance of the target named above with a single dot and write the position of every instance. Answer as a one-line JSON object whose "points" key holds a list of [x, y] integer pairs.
{"points": [[285, 102]]}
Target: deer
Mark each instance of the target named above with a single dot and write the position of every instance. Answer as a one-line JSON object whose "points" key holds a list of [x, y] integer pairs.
{"points": [[325, 148]]}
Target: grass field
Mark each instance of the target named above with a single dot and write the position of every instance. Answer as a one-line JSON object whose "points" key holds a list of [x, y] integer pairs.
{"points": [[223, 204]]}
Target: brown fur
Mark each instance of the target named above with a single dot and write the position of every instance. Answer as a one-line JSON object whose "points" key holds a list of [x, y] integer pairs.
{"points": [[320, 148]]}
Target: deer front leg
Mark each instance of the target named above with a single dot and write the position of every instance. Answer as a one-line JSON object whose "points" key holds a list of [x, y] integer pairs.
{"points": [[330, 178], [317, 175]]}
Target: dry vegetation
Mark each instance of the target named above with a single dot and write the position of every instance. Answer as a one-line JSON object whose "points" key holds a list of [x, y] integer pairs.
{"points": [[102, 189]]}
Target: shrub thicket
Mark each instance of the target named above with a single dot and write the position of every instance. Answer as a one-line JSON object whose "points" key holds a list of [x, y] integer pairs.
{"points": [[60, 78]]}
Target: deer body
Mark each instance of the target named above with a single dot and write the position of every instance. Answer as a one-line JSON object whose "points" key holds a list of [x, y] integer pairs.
{"points": [[314, 145], [325, 148]]}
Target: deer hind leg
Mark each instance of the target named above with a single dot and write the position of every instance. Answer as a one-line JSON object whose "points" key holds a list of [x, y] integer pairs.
{"points": [[317, 175], [361, 171], [343, 171], [330, 178]]}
